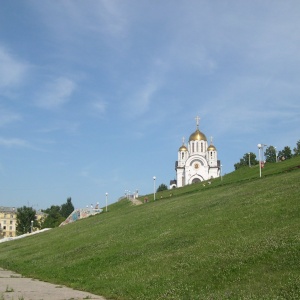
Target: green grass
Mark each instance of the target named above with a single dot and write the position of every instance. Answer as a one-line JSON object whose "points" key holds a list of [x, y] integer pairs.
{"points": [[238, 238]]}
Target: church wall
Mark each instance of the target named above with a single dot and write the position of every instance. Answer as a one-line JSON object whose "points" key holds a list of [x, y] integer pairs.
{"points": [[213, 173], [182, 157], [212, 158], [202, 175], [180, 177], [196, 166]]}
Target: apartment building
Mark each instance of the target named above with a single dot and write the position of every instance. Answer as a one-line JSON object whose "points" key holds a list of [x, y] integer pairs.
{"points": [[8, 220]]}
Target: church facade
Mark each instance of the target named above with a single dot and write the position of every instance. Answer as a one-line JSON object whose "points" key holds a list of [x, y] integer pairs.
{"points": [[197, 161]]}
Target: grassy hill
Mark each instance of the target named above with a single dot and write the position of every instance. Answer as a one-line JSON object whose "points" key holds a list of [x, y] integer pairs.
{"points": [[238, 238]]}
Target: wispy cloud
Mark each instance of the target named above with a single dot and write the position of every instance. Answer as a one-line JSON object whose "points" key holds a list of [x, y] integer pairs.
{"points": [[56, 93], [75, 18], [257, 106], [14, 142], [12, 70], [141, 101], [99, 107], [7, 117], [113, 17], [61, 126]]}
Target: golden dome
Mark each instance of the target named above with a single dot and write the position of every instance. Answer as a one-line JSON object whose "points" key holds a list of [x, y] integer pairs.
{"points": [[197, 136], [183, 148], [211, 148]]}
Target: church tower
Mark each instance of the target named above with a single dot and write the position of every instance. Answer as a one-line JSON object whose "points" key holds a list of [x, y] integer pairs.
{"points": [[183, 155], [197, 161]]}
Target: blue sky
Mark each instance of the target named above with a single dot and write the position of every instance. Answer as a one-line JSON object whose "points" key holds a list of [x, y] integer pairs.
{"points": [[95, 96]]}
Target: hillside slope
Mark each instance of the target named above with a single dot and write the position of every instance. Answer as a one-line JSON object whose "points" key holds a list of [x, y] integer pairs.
{"points": [[238, 238]]}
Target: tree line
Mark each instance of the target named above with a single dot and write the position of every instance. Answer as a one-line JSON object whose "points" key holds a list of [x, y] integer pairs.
{"points": [[270, 154], [55, 215]]}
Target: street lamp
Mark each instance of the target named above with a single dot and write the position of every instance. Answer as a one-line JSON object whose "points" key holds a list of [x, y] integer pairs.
{"points": [[31, 227], [221, 173], [106, 194], [154, 178], [249, 160], [260, 148], [276, 154]]}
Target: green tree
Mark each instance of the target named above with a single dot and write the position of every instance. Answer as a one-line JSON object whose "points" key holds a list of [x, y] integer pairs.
{"points": [[237, 166], [297, 149], [162, 187], [244, 161], [25, 216], [67, 208], [286, 153], [54, 218], [57, 214], [270, 154]]}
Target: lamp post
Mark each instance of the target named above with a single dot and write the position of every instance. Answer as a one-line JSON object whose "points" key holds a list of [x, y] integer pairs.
{"points": [[221, 173], [276, 154], [249, 160], [106, 194], [31, 227], [260, 149], [154, 178]]}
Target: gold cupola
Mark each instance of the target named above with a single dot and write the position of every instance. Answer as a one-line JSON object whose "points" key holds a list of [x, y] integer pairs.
{"points": [[197, 135], [183, 147], [211, 147]]}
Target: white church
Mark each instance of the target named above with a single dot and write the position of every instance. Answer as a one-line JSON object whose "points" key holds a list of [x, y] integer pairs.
{"points": [[197, 161]]}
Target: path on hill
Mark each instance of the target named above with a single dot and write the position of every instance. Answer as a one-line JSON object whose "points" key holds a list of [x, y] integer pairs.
{"points": [[14, 286], [135, 201]]}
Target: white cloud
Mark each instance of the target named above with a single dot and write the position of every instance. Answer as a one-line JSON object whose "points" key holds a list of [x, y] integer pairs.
{"points": [[7, 117], [113, 17], [141, 101], [68, 20], [99, 107], [62, 126], [12, 70], [247, 104], [56, 93], [84, 173], [14, 142]]}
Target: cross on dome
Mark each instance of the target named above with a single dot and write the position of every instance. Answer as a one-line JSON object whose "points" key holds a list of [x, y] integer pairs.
{"points": [[211, 140], [197, 121], [183, 140]]}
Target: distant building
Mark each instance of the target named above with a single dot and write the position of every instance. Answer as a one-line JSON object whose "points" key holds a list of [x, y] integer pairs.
{"points": [[8, 221], [197, 161], [40, 217]]}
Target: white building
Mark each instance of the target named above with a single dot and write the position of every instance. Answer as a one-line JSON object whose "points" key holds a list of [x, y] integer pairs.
{"points": [[197, 161]]}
